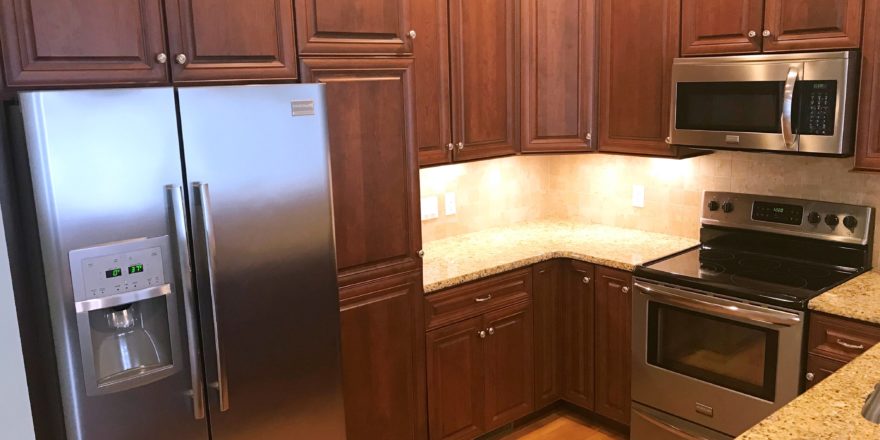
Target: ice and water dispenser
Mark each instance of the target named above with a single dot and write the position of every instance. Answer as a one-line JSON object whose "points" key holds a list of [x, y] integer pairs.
{"points": [[126, 313]]}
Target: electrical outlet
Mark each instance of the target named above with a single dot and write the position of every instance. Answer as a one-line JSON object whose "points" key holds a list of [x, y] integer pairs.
{"points": [[430, 208], [449, 200], [638, 196]]}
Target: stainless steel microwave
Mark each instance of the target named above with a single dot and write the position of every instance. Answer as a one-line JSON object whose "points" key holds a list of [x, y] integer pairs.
{"points": [[797, 103]]}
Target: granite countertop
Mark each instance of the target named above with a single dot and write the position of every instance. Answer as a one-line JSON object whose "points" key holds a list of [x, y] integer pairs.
{"points": [[832, 409], [459, 259]]}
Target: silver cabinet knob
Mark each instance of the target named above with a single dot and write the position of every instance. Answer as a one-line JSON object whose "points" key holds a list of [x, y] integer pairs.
{"points": [[752, 34], [491, 330], [587, 280], [624, 289], [460, 146], [180, 59], [668, 140], [810, 376], [411, 34], [162, 58], [766, 33], [450, 146], [482, 334], [421, 253]]}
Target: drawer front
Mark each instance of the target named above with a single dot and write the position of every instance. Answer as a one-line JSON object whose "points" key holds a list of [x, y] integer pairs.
{"points": [[472, 299], [840, 339]]}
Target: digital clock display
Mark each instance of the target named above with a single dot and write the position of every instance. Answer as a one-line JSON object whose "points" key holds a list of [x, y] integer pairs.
{"points": [[113, 273], [778, 213], [135, 268]]}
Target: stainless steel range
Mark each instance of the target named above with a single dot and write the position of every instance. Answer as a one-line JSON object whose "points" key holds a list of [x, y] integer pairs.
{"points": [[718, 330]]}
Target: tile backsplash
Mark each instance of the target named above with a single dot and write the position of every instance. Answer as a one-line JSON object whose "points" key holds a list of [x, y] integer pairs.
{"points": [[597, 188]]}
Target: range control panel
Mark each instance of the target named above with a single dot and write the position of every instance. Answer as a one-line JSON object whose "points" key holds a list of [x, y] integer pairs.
{"points": [[808, 218], [118, 268]]}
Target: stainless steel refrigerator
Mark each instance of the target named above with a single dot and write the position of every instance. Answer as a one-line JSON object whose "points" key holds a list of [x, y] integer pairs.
{"points": [[187, 244]]}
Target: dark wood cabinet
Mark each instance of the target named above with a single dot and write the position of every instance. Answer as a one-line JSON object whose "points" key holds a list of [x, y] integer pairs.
{"points": [[83, 42], [432, 101], [558, 72], [374, 164], [713, 27], [509, 365], [833, 342], [613, 341], [383, 358], [819, 368], [812, 24], [346, 27], [868, 128], [637, 44], [578, 338], [485, 77], [548, 289], [230, 40]]}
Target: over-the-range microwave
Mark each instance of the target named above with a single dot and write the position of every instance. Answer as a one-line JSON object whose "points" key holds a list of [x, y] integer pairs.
{"points": [[797, 103]]}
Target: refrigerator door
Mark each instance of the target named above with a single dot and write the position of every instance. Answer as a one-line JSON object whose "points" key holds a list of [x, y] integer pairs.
{"points": [[257, 164], [100, 161]]}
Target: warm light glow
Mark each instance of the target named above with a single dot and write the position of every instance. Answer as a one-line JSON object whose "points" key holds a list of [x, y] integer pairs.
{"points": [[669, 170], [437, 180]]}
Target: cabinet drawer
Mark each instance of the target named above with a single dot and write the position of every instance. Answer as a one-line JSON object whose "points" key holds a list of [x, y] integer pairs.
{"points": [[840, 339], [472, 299]]}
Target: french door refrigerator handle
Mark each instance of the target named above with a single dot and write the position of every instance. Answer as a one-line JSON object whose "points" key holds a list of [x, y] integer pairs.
{"points": [[181, 238], [788, 135], [204, 202]]}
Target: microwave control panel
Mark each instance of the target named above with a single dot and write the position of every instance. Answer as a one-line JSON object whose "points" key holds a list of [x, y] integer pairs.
{"points": [[817, 107]]}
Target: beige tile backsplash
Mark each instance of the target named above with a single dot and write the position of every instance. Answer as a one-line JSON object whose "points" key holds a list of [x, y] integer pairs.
{"points": [[597, 188]]}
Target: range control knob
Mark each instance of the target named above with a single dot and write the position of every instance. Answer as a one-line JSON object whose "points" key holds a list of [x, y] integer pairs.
{"points": [[850, 222], [713, 206], [832, 220], [814, 218], [727, 207]]}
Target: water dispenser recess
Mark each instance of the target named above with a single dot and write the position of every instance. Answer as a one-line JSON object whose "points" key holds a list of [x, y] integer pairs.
{"points": [[126, 311]]}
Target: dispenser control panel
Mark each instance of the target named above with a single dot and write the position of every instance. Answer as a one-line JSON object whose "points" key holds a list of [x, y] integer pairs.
{"points": [[118, 268]]}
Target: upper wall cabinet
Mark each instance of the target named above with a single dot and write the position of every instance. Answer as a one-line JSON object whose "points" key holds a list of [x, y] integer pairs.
{"points": [[432, 100], [100, 42], [47, 42], [229, 40], [868, 131], [712, 27], [558, 64], [346, 27]]}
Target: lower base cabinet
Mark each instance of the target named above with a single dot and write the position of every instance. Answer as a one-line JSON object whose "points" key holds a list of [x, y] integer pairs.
{"points": [[833, 342], [613, 344]]}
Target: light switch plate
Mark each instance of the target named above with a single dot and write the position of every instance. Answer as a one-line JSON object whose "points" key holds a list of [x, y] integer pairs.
{"points": [[449, 200], [430, 208], [638, 196]]}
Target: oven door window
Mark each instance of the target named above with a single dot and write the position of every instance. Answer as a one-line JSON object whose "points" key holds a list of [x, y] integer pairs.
{"points": [[731, 354], [742, 106]]}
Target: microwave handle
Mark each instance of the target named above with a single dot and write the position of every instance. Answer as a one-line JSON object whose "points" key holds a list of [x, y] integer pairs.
{"points": [[788, 135]]}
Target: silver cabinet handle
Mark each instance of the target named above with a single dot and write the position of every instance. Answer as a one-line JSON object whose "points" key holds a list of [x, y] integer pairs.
{"points": [[162, 58], [587, 280], [461, 146], [421, 253], [180, 59], [181, 242], [483, 299], [624, 289], [787, 99], [491, 330], [752, 34], [204, 201], [450, 146], [850, 346], [482, 334], [766, 33], [810, 377], [411, 34]]}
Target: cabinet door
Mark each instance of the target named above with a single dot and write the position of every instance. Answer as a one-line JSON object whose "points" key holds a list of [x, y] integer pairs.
{"points": [[812, 24], [558, 67], [231, 40], [868, 128], [383, 359], [510, 376], [613, 341], [455, 380], [485, 77], [638, 41], [578, 318], [83, 42], [547, 291], [432, 101], [715, 27], [348, 27], [374, 164], [819, 368]]}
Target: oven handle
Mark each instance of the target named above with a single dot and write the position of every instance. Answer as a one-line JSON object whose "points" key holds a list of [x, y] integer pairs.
{"points": [[741, 311], [788, 135]]}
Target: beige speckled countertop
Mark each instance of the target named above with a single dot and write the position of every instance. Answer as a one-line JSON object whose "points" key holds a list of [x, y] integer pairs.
{"points": [[832, 409], [456, 260]]}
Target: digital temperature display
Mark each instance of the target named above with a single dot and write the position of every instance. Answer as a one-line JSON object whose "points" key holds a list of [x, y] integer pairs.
{"points": [[135, 268], [778, 213], [113, 273]]}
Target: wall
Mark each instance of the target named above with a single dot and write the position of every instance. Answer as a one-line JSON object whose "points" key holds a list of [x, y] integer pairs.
{"points": [[15, 410], [597, 188]]}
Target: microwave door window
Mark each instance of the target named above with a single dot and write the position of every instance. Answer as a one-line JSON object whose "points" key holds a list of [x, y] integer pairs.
{"points": [[750, 107]]}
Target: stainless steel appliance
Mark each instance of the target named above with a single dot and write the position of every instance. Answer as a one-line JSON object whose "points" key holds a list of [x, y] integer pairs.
{"points": [[187, 243], [718, 330], [797, 103]]}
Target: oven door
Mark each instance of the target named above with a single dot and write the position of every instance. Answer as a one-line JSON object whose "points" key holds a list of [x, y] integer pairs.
{"points": [[719, 363], [762, 103]]}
